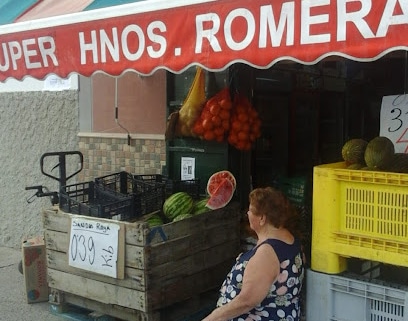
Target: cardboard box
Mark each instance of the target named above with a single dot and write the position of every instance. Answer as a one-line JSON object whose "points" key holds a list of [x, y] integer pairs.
{"points": [[35, 269]]}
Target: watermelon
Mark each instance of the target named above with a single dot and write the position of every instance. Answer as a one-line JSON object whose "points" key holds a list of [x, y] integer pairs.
{"points": [[215, 180], [182, 217], [353, 151], [200, 206], [222, 195], [154, 220], [177, 204], [379, 152]]}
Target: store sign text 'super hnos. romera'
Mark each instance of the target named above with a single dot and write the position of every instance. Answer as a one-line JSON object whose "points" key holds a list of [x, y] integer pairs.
{"points": [[213, 35]]}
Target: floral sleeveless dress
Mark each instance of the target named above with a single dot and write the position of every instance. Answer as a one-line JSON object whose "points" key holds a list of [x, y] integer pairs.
{"points": [[282, 302]]}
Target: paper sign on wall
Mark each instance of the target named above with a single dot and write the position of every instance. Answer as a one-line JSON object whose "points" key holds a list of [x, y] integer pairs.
{"points": [[94, 245], [394, 121], [187, 168], [55, 83]]}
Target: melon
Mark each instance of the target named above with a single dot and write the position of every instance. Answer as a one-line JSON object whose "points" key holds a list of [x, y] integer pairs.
{"points": [[215, 180], [200, 206], [182, 217], [353, 151], [177, 204], [355, 166], [154, 220], [222, 195], [379, 152], [398, 163]]}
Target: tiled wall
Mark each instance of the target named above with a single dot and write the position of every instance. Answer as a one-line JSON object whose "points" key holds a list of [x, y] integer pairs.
{"points": [[107, 155]]}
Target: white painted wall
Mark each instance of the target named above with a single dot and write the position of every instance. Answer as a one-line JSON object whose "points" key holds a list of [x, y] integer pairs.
{"points": [[33, 122]]}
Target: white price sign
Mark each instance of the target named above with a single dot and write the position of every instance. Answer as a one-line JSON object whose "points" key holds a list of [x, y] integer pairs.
{"points": [[394, 121], [94, 245]]}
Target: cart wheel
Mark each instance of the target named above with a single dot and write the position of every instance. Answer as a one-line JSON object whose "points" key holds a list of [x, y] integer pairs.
{"points": [[20, 267]]}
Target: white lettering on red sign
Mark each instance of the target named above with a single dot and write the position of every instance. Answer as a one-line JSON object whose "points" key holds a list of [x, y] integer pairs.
{"points": [[35, 52], [116, 44], [267, 24], [244, 27]]}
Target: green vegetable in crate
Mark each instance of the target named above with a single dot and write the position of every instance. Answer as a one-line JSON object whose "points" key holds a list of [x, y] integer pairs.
{"points": [[398, 163], [379, 152], [154, 220], [355, 166], [177, 204], [353, 151], [200, 206], [182, 217], [366, 168]]}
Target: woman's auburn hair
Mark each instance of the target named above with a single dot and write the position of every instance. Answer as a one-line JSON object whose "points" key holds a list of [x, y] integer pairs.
{"points": [[276, 207]]}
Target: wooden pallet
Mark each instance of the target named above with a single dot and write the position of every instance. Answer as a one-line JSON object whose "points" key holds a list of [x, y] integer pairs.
{"points": [[75, 308]]}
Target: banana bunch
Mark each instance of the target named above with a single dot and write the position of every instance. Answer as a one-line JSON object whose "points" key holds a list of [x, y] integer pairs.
{"points": [[180, 123]]}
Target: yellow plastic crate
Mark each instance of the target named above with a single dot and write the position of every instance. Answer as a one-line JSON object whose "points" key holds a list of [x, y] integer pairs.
{"points": [[357, 213]]}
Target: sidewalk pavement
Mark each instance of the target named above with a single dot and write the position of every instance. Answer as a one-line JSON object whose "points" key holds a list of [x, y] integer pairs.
{"points": [[13, 304]]}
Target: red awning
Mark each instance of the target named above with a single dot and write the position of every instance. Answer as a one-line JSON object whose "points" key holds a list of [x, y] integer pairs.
{"points": [[150, 35]]}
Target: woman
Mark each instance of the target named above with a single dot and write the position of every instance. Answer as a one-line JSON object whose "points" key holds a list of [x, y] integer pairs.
{"points": [[265, 282]]}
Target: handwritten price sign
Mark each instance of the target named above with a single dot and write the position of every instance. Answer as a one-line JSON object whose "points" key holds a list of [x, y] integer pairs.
{"points": [[394, 121], [94, 245]]}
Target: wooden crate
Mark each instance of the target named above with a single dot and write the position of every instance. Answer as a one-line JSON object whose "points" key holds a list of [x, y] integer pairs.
{"points": [[161, 266]]}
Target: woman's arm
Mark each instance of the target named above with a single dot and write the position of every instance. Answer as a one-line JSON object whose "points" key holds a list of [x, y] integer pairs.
{"points": [[260, 273]]}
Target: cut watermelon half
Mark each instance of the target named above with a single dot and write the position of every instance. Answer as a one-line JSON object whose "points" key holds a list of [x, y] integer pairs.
{"points": [[217, 178], [222, 195]]}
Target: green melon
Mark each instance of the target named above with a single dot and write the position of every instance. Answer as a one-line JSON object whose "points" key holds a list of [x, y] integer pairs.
{"points": [[398, 163], [379, 152], [177, 204], [154, 220], [200, 206], [355, 166], [182, 217], [353, 151], [366, 168]]}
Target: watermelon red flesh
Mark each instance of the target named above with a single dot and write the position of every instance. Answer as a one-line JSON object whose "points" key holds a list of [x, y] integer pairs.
{"points": [[215, 180], [222, 195]]}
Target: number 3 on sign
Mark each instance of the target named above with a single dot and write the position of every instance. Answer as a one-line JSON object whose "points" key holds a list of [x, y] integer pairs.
{"points": [[94, 245], [394, 121]]}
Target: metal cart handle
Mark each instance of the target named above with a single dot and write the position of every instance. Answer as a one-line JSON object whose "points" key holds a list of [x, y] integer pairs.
{"points": [[62, 179]]}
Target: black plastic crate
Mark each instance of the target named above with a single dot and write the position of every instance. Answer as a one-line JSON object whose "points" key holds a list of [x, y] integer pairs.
{"points": [[148, 196], [121, 182], [191, 187], [87, 199]]}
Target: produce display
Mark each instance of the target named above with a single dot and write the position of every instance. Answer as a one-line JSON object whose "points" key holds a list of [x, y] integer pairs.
{"points": [[180, 205], [177, 204], [216, 179], [353, 151], [155, 220], [214, 120], [200, 206], [180, 123], [245, 125], [182, 217], [221, 187], [378, 155], [219, 118]]}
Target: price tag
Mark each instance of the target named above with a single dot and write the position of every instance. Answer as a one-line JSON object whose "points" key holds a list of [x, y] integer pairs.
{"points": [[394, 121], [95, 245]]}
